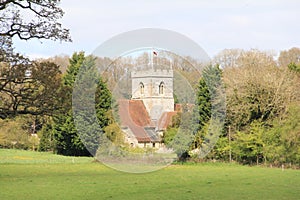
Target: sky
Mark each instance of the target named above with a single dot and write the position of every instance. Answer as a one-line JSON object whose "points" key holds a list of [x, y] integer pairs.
{"points": [[270, 25]]}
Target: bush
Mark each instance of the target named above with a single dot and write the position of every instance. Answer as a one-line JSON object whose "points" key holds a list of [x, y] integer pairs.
{"points": [[14, 134]]}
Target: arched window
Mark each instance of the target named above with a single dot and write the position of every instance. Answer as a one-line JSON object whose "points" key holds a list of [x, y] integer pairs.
{"points": [[161, 88], [141, 88]]}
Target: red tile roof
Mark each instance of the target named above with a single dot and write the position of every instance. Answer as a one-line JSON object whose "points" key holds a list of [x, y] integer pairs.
{"points": [[165, 120], [138, 113], [133, 114]]}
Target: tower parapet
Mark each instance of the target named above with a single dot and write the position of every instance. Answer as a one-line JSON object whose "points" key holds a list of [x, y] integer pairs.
{"points": [[152, 73]]}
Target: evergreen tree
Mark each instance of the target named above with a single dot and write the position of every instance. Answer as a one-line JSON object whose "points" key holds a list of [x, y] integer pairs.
{"points": [[210, 95], [75, 63], [203, 104], [104, 103], [82, 138], [91, 105], [65, 134], [210, 108]]}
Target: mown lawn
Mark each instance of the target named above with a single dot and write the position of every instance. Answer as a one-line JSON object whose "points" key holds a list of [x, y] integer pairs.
{"points": [[32, 175]]}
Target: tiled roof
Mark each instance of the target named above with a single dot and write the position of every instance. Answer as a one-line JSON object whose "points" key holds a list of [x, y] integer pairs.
{"points": [[133, 114], [165, 120], [138, 113], [152, 134]]}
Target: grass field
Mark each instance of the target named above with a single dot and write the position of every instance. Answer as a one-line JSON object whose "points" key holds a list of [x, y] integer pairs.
{"points": [[32, 175]]}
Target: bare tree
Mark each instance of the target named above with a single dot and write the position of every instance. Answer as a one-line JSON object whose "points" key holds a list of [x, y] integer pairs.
{"points": [[61, 60], [290, 56], [257, 89], [227, 58], [28, 19]]}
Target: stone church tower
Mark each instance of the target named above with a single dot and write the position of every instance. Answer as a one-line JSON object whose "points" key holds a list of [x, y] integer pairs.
{"points": [[155, 88]]}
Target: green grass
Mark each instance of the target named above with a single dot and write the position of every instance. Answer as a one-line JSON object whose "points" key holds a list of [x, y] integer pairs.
{"points": [[31, 157], [31, 175]]}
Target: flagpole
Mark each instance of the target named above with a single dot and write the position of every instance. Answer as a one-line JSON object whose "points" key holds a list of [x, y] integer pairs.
{"points": [[152, 57]]}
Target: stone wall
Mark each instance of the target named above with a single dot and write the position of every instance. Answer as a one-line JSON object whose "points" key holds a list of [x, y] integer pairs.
{"points": [[155, 88]]}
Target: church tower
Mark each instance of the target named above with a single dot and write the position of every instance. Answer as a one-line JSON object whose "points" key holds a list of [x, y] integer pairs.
{"points": [[155, 88]]}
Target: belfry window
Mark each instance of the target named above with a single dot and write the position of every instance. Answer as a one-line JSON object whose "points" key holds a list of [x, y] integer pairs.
{"points": [[141, 88], [161, 88]]}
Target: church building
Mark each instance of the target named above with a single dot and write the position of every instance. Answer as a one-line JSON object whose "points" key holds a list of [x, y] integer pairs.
{"points": [[150, 110]]}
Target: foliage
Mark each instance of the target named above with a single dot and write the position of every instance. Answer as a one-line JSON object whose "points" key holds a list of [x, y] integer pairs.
{"points": [[13, 134], [294, 67], [104, 104], [47, 142], [203, 103], [249, 147], [289, 56], [114, 133], [25, 88], [210, 110], [67, 141], [83, 138], [289, 130], [256, 90], [189, 129], [179, 135], [277, 145], [259, 95], [32, 19], [262, 114], [75, 62], [28, 87], [169, 135]]}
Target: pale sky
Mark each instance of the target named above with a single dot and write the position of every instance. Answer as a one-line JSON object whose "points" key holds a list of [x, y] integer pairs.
{"points": [[213, 24]]}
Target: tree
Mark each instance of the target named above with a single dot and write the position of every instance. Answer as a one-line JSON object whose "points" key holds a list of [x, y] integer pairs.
{"points": [[67, 141], [28, 19], [228, 58], [28, 87], [199, 126], [257, 89], [13, 133], [290, 56], [6, 49], [25, 88], [249, 147], [289, 128], [258, 96], [61, 60], [114, 134], [294, 67], [66, 138], [203, 103], [47, 142], [82, 137], [90, 94], [210, 110], [104, 104]]}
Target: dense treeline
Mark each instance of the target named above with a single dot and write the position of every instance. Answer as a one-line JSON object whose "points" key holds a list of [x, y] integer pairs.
{"points": [[29, 89], [63, 130], [262, 123], [262, 107], [263, 102]]}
